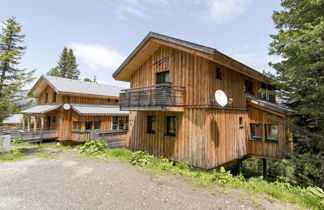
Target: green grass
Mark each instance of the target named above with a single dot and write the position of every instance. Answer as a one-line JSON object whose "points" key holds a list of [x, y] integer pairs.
{"points": [[310, 197], [14, 155]]}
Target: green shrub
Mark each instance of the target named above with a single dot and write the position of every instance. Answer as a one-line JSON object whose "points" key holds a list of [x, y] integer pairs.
{"points": [[141, 158], [93, 147], [13, 155], [16, 140]]}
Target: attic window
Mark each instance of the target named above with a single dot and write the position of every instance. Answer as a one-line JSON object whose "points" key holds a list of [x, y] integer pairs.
{"points": [[46, 98], [54, 97], [116, 100], [218, 73], [108, 99]]}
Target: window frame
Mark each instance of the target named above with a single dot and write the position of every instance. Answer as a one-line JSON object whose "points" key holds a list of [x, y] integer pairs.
{"points": [[218, 74], [151, 124], [168, 125], [85, 125], [246, 84], [54, 97], [271, 140], [166, 79], [46, 98], [94, 125], [253, 137]]}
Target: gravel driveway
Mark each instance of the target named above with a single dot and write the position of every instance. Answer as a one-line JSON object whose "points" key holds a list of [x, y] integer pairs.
{"points": [[81, 183]]}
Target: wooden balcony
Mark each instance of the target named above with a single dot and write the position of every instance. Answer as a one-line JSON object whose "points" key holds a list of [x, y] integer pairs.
{"points": [[38, 134], [162, 97]]}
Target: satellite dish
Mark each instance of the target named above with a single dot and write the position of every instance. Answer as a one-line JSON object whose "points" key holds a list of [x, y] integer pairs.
{"points": [[66, 106], [221, 98]]}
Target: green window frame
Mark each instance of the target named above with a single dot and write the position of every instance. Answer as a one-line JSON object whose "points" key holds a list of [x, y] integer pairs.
{"points": [[256, 131], [151, 124], [162, 77], [271, 133], [171, 126]]}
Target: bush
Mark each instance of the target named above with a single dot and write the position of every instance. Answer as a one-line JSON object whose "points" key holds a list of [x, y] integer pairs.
{"points": [[93, 147], [141, 158], [15, 141]]}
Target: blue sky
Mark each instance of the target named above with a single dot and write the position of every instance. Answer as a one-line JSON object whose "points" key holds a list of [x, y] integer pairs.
{"points": [[102, 33]]}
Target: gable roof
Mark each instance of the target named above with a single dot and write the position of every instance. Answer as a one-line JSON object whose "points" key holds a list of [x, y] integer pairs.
{"points": [[153, 41], [73, 87]]}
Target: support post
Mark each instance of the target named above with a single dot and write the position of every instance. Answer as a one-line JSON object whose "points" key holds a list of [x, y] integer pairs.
{"points": [[42, 122], [264, 163], [28, 123], [23, 123], [35, 123]]}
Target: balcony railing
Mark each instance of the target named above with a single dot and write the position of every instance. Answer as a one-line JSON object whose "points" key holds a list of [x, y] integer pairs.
{"points": [[157, 97]]}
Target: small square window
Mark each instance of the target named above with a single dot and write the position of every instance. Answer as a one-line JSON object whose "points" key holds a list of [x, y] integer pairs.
{"points": [[256, 131], [171, 126], [271, 133], [151, 124], [162, 77]]}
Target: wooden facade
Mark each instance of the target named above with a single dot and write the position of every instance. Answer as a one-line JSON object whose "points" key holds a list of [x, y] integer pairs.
{"points": [[206, 135], [69, 124]]}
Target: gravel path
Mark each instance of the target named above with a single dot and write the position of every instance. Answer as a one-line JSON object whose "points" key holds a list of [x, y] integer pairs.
{"points": [[81, 183]]}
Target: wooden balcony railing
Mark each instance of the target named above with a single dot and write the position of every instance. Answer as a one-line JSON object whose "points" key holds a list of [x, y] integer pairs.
{"points": [[38, 134], [156, 97]]}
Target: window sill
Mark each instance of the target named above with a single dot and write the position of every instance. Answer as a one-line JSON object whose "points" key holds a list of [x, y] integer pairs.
{"points": [[170, 134], [255, 139], [271, 141]]}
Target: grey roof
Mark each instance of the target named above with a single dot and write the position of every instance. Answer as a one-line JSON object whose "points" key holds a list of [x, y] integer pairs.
{"points": [[102, 110], [41, 109], [273, 106], [81, 87], [13, 119]]}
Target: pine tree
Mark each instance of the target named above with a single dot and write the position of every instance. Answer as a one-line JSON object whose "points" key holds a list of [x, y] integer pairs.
{"points": [[12, 79], [67, 66], [300, 79]]}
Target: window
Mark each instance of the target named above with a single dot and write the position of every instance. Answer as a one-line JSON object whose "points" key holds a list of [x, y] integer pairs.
{"points": [[218, 73], [248, 87], [97, 125], [271, 133], [266, 94], [115, 123], [151, 124], [241, 122], [54, 97], [76, 125], [116, 100], [88, 125], [162, 77], [171, 126], [121, 123], [256, 131], [46, 98], [54, 119], [108, 99]]}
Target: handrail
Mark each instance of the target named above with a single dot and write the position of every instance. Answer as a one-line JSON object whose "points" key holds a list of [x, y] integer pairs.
{"points": [[154, 86]]}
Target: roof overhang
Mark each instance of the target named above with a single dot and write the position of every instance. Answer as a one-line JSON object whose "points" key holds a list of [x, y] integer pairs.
{"points": [[154, 40], [41, 109], [98, 110]]}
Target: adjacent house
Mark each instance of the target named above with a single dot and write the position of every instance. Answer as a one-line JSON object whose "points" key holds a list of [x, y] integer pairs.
{"points": [[173, 112], [13, 121], [71, 109]]}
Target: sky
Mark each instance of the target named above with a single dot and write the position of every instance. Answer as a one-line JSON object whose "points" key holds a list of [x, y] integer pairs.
{"points": [[102, 33]]}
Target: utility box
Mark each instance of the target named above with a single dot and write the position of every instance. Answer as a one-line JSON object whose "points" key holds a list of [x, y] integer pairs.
{"points": [[5, 143]]}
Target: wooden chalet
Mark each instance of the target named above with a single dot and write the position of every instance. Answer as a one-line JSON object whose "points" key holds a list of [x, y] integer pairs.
{"points": [[173, 113], [72, 109]]}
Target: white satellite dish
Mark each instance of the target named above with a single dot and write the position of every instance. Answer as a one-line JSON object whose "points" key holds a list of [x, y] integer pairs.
{"points": [[221, 98], [66, 106]]}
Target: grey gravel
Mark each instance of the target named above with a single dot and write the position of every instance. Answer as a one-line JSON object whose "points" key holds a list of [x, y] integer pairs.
{"points": [[81, 183]]}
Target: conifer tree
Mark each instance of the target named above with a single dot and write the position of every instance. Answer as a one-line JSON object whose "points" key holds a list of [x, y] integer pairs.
{"points": [[300, 79], [67, 66], [12, 78]]}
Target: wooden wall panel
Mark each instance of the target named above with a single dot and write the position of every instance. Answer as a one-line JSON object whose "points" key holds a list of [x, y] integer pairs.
{"points": [[262, 148]]}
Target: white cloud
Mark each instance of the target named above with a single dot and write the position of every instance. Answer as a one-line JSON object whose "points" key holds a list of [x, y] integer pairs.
{"points": [[97, 56], [224, 10]]}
